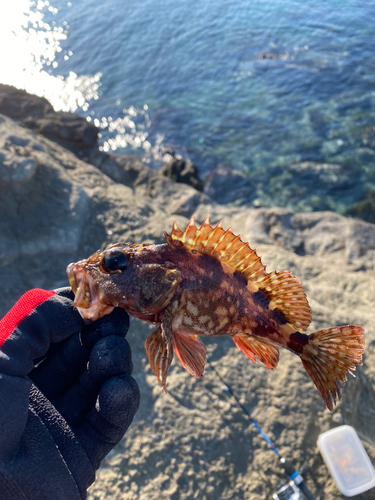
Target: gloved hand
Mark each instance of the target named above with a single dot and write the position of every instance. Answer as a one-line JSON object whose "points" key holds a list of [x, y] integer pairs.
{"points": [[60, 418]]}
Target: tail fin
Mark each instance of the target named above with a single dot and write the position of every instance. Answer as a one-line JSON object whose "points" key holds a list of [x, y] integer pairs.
{"points": [[329, 355]]}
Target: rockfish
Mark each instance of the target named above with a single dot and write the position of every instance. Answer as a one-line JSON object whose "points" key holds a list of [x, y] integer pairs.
{"points": [[207, 282]]}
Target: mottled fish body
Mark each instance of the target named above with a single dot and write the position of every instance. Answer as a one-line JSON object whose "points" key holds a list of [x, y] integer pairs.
{"points": [[207, 282]]}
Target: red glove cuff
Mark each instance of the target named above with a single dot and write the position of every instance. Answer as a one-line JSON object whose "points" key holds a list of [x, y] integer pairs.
{"points": [[26, 304]]}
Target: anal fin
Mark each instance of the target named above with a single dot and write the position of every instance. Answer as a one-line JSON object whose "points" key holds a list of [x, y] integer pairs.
{"points": [[190, 352], [267, 353]]}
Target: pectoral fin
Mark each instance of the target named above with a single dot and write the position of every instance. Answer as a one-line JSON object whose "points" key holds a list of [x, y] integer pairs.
{"points": [[267, 353], [159, 350], [190, 352]]}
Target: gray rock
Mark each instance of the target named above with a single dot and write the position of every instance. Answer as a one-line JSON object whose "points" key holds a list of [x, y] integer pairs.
{"points": [[360, 244], [175, 198], [183, 171], [16, 164], [35, 112], [68, 129], [19, 105]]}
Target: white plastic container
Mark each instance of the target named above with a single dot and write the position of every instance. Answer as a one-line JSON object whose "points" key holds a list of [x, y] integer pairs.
{"points": [[347, 460]]}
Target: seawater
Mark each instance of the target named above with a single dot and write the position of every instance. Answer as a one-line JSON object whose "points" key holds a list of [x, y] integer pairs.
{"points": [[282, 90]]}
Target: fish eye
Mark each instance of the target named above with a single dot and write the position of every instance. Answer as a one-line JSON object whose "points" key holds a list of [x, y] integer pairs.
{"points": [[114, 261]]}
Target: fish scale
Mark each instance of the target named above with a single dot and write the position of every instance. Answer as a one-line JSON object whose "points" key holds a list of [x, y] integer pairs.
{"points": [[212, 318]]}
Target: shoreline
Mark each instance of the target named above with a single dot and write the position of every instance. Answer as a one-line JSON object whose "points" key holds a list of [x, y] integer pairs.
{"points": [[305, 186], [57, 206]]}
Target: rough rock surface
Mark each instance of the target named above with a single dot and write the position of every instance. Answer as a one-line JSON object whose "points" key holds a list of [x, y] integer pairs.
{"points": [[183, 171], [34, 112], [194, 442]]}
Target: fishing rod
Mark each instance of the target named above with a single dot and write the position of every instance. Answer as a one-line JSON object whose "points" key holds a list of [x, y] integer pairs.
{"points": [[290, 471]]}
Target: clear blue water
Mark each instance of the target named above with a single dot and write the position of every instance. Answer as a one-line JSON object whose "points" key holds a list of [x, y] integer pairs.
{"points": [[258, 86]]}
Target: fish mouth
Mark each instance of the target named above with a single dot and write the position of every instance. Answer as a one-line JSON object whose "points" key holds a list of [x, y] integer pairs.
{"points": [[72, 278], [86, 293]]}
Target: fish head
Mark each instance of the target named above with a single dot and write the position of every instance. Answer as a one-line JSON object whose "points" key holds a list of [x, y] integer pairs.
{"points": [[122, 275]]}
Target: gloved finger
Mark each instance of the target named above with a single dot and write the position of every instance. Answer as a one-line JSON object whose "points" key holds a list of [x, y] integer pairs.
{"points": [[38, 319], [55, 344], [109, 357], [116, 323], [26, 332], [107, 422], [92, 332], [62, 369]]}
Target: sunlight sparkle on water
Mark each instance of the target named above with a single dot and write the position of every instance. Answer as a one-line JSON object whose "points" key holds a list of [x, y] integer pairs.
{"points": [[32, 45], [129, 130]]}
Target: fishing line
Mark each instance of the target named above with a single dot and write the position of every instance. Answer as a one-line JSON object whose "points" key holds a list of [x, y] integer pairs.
{"points": [[290, 471]]}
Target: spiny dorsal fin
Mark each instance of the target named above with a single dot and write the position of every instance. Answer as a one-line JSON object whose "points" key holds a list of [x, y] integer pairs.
{"points": [[286, 294], [220, 244]]}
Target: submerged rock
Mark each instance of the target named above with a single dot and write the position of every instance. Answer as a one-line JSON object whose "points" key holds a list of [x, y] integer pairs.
{"points": [[365, 208], [226, 186], [272, 55], [309, 186]]}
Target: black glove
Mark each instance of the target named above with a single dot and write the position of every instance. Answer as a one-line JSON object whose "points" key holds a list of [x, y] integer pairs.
{"points": [[66, 396]]}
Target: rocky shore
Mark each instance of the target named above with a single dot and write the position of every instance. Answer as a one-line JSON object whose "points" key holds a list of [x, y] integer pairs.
{"points": [[61, 199]]}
